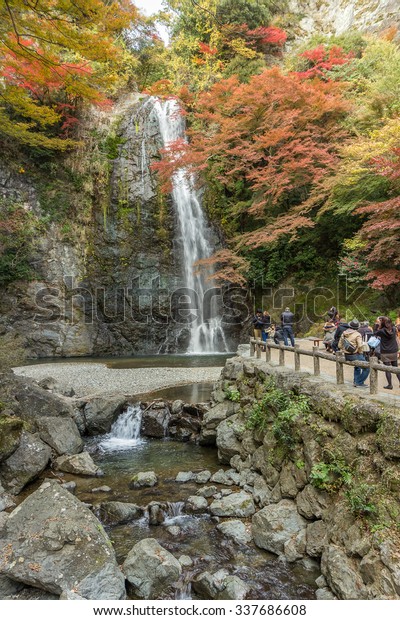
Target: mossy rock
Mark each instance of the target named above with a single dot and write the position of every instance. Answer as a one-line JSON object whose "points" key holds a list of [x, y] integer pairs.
{"points": [[10, 433], [389, 435]]}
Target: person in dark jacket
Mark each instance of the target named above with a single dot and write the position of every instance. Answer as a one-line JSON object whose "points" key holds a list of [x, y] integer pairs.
{"points": [[389, 347], [258, 323], [278, 337], [365, 330], [287, 320], [343, 325], [266, 325]]}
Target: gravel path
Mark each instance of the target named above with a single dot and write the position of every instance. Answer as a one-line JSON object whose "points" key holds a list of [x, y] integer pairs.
{"points": [[88, 379]]}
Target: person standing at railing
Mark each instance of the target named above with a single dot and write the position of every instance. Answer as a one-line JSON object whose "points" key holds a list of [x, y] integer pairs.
{"points": [[287, 320], [351, 344], [266, 325], [258, 324], [389, 347]]}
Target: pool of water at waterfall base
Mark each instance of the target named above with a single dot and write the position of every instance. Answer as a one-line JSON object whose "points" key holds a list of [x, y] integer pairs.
{"points": [[198, 538], [144, 361]]}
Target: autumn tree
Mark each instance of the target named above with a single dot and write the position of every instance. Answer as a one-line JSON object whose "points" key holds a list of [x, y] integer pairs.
{"points": [[55, 54]]}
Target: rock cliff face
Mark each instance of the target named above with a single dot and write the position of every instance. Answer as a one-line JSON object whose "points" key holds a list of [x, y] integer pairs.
{"points": [[111, 289], [338, 16]]}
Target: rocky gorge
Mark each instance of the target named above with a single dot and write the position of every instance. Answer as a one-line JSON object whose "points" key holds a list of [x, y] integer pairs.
{"points": [[298, 476]]}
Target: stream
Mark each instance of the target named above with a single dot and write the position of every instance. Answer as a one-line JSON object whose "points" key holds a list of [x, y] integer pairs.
{"points": [[122, 453]]}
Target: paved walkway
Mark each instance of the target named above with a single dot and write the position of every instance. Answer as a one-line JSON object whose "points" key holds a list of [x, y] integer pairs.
{"points": [[328, 372]]}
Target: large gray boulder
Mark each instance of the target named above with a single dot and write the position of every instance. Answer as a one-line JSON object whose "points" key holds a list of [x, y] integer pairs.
{"points": [[227, 438], [100, 412], [35, 402], [150, 569], [312, 503], [235, 530], [155, 421], [220, 586], [143, 479], [276, 524], [234, 505], [81, 464], [115, 513], [61, 434], [213, 418], [25, 464], [342, 575], [53, 542]]}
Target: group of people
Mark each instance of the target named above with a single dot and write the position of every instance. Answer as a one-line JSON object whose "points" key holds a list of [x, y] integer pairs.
{"points": [[358, 341], [264, 328]]}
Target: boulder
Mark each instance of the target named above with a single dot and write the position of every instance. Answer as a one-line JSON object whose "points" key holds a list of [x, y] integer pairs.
{"points": [[312, 503], [155, 422], [221, 477], [235, 505], [177, 407], [143, 479], [294, 549], [317, 538], [342, 575], [207, 491], [276, 524], [100, 412], [102, 489], [47, 383], [52, 541], [235, 530], [213, 418], [227, 438], [81, 464], [235, 589], [10, 434], [61, 434], [196, 503], [156, 512], [390, 557], [150, 569], [26, 463], [117, 513], [220, 586], [184, 476], [202, 477], [35, 402]]}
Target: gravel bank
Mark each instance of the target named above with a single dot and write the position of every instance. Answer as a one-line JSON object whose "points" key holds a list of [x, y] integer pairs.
{"points": [[88, 379]]}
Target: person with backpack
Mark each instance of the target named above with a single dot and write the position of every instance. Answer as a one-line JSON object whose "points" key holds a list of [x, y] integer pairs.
{"points": [[389, 347], [351, 344], [258, 324], [266, 325]]}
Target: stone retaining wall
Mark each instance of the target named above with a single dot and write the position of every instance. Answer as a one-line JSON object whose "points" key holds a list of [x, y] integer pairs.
{"points": [[325, 477]]}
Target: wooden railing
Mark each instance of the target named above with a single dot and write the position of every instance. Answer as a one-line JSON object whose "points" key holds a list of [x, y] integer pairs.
{"points": [[257, 346]]}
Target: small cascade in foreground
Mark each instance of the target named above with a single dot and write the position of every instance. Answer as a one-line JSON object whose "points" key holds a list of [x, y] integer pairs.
{"points": [[125, 431], [194, 237]]}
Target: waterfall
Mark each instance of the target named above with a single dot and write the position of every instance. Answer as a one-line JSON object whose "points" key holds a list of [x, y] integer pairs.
{"points": [[193, 236], [125, 432]]}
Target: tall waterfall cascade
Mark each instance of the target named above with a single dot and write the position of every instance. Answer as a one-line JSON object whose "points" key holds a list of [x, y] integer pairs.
{"points": [[193, 236]]}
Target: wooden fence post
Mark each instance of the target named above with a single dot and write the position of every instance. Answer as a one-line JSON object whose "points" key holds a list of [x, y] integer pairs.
{"points": [[251, 347], [281, 355], [297, 357], [258, 349], [373, 377], [267, 352], [340, 358], [317, 368]]}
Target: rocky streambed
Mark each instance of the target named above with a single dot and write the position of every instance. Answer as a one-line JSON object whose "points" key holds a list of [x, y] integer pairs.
{"points": [[95, 491]]}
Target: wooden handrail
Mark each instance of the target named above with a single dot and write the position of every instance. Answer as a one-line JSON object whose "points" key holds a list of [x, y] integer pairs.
{"points": [[338, 358]]}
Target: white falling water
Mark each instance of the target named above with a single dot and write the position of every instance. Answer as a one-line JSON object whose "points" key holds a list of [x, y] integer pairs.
{"points": [[125, 432], [206, 333]]}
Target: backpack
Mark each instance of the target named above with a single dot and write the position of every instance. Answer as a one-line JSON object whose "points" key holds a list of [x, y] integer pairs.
{"points": [[349, 347], [374, 342]]}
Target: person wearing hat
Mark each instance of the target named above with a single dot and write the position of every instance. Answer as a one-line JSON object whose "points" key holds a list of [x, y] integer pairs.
{"points": [[351, 344]]}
